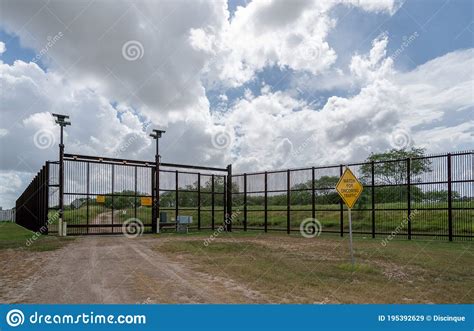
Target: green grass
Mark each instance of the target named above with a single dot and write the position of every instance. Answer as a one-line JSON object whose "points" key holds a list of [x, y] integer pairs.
{"points": [[433, 222], [15, 236], [293, 269], [79, 216]]}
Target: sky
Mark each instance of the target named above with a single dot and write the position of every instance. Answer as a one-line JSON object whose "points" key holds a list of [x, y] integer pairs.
{"points": [[259, 84]]}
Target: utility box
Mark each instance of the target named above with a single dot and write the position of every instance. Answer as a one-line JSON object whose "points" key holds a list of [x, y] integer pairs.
{"points": [[163, 217], [182, 223], [184, 219]]}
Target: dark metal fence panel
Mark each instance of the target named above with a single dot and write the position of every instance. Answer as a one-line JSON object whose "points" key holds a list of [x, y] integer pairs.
{"points": [[462, 196], [429, 196], [32, 206], [101, 194]]}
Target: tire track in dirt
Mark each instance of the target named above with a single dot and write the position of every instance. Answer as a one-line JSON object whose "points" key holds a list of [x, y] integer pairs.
{"points": [[116, 269]]}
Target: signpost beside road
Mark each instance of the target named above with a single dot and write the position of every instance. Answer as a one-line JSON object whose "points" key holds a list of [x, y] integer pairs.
{"points": [[349, 189]]}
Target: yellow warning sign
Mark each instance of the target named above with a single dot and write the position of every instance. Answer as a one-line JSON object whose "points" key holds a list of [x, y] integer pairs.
{"points": [[100, 199], [349, 188], [146, 201]]}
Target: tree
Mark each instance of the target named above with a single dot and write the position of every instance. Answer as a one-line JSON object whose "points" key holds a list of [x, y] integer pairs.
{"points": [[326, 190], [395, 172], [122, 200]]}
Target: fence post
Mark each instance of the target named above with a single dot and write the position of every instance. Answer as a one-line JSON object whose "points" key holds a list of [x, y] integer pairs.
{"points": [[61, 185], [265, 205], [224, 201], [288, 202], [313, 194], [176, 197], [450, 200], [87, 192], [245, 202], [154, 192], [373, 198], [40, 201], [228, 223], [341, 208], [135, 198], [212, 202], [199, 200], [46, 202], [409, 196], [113, 177]]}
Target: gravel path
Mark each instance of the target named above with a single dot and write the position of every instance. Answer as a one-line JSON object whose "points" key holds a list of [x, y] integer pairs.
{"points": [[111, 269]]}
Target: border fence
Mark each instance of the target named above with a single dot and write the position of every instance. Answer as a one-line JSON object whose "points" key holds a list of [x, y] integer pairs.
{"points": [[102, 194], [423, 196], [31, 209], [7, 215], [429, 196]]}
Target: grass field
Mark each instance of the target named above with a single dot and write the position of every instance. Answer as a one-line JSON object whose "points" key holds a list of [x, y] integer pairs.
{"points": [[15, 236], [423, 221], [294, 269]]}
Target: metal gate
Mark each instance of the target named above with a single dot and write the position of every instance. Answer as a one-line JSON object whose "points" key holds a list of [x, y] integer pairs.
{"points": [[105, 195]]}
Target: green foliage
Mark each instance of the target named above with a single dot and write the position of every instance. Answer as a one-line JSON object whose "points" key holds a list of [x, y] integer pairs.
{"points": [[123, 200], [395, 172]]}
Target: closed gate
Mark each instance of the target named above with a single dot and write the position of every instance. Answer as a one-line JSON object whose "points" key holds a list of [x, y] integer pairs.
{"points": [[104, 195]]}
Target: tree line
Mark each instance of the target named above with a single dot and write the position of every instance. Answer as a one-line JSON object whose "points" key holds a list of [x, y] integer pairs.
{"points": [[391, 175]]}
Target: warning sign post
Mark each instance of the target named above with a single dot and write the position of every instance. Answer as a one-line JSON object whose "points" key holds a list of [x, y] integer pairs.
{"points": [[349, 189]]}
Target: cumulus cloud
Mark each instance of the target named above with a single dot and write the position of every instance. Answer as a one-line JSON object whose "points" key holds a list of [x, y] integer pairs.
{"points": [[115, 94], [282, 33], [99, 40], [348, 129]]}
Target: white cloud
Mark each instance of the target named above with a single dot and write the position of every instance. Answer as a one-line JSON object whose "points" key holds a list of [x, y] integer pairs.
{"points": [[162, 81], [282, 33], [3, 48], [347, 129], [188, 42]]}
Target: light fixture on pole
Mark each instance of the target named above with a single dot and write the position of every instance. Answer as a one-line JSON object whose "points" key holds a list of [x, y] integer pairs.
{"points": [[156, 203], [63, 121]]}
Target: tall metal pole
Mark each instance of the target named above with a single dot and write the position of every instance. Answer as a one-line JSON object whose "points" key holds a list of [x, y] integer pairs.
{"points": [[350, 238], [61, 182], [155, 226], [62, 121], [156, 202]]}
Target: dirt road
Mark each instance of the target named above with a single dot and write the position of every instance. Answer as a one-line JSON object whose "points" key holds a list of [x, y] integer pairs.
{"points": [[111, 269], [104, 218]]}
